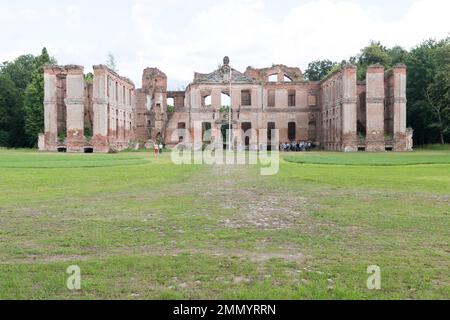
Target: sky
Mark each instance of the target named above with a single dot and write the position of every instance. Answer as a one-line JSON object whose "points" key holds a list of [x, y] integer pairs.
{"points": [[182, 37]]}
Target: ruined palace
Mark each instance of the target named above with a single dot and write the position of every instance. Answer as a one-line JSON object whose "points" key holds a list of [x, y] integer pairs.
{"points": [[338, 113]]}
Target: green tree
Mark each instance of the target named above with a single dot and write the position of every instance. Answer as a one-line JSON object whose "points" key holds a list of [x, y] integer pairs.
{"points": [[317, 70], [438, 93], [20, 70], [372, 54], [33, 106], [426, 90], [10, 109]]}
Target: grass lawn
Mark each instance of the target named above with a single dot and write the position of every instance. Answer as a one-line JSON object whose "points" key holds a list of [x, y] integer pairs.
{"points": [[144, 228]]}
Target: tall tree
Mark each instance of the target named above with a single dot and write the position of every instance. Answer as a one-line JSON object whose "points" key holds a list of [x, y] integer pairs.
{"points": [[425, 71], [438, 93], [10, 109], [33, 100], [317, 70], [372, 54], [20, 70], [111, 62]]}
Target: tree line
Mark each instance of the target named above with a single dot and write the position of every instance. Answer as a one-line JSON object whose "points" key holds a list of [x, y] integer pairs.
{"points": [[428, 85], [21, 100], [428, 90]]}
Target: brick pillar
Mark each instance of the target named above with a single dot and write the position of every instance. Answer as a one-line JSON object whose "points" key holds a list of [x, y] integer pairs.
{"points": [[75, 109], [375, 94], [349, 109], [50, 111], [100, 119], [400, 132]]}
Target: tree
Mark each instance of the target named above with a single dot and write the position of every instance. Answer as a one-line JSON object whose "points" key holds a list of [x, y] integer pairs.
{"points": [[20, 70], [398, 55], [10, 109], [317, 70], [438, 93], [111, 62], [33, 106], [427, 65], [372, 54]]}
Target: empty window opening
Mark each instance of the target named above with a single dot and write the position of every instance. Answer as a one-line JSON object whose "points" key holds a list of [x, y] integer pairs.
{"points": [[291, 98], [270, 128], [207, 101], [273, 78], [271, 98], [247, 129], [62, 149], [225, 100], [287, 79], [246, 98], [170, 102], [88, 150], [181, 131], [206, 131], [292, 134]]}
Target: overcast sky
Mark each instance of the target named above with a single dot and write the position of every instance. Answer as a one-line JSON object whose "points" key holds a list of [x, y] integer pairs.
{"points": [[180, 37]]}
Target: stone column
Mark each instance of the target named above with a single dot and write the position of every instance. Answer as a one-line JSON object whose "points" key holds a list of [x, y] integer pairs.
{"points": [[375, 95], [75, 109], [50, 110], [349, 109], [100, 121], [215, 98], [400, 132]]}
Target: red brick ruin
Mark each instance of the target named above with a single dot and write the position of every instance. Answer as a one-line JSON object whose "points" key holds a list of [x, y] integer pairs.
{"points": [[338, 113]]}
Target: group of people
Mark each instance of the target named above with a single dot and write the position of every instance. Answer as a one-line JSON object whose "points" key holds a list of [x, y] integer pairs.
{"points": [[296, 146]]}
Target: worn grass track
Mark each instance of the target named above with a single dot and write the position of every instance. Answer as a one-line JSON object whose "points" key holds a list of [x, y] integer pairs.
{"points": [[143, 228]]}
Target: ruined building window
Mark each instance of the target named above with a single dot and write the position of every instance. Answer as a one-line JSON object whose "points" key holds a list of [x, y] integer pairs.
{"points": [[292, 128], [206, 131], [123, 95], [291, 98], [287, 79], [246, 98], [225, 100], [270, 134], [117, 91], [271, 98], [207, 102], [273, 78], [170, 104]]}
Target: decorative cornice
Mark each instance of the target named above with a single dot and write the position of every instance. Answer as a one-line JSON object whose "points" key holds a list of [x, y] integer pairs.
{"points": [[375, 100], [349, 100], [74, 101]]}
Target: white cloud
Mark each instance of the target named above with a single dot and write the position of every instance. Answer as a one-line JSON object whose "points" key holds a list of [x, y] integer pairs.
{"points": [[180, 37], [73, 17]]}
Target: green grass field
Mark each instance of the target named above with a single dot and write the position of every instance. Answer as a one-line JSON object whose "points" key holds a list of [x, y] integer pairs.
{"points": [[144, 228]]}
